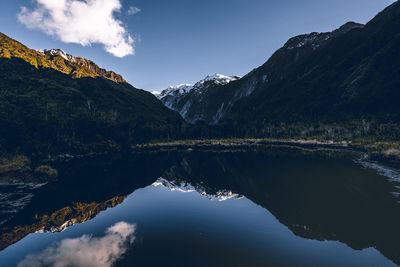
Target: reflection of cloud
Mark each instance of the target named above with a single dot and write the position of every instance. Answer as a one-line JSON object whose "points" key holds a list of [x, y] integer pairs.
{"points": [[86, 250]]}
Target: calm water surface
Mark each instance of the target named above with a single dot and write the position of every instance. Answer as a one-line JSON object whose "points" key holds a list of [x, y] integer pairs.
{"points": [[275, 207]]}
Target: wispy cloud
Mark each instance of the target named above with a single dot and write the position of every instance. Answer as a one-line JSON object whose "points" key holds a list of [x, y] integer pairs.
{"points": [[82, 22], [86, 250], [133, 10]]}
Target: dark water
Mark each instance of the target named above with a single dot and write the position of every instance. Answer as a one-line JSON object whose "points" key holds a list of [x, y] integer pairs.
{"points": [[275, 207]]}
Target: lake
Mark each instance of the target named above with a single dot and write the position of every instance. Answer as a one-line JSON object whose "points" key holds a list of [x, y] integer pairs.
{"points": [[251, 207]]}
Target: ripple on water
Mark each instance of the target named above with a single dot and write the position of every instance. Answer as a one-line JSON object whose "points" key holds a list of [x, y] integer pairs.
{"points": [[14, 197]]}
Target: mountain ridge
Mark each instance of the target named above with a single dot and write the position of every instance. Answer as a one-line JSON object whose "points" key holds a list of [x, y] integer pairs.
{"points": [[56, 59], [341, 84], [191, 105], [47, 110], [337, 68]]}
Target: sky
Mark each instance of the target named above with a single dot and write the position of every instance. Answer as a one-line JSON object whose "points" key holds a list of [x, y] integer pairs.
{"points": [[157, 43]]}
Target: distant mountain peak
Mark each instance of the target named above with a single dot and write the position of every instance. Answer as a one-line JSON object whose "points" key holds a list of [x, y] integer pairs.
{"points": [[182, 89], [217, 79], [182, 98], [349, 26], [56, 52]]}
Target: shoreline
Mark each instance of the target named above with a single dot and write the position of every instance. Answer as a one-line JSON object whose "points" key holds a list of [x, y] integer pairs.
{"points": [[386, 153]]}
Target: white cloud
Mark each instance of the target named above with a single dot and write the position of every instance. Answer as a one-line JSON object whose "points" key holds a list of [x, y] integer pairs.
{"points": [[86, 251], [133, 10], [81, 21]]}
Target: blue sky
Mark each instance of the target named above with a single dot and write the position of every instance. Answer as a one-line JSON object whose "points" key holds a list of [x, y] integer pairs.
{"points": [[177, 41]]}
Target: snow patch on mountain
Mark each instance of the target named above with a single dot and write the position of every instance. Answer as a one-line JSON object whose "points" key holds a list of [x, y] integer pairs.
{"points": [[219, 79], [178, 89], [57, 52], [156, 93], [181, 89], [181, 98]]}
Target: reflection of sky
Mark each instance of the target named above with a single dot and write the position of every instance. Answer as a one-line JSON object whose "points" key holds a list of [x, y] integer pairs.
{"points": [[175, 225]]}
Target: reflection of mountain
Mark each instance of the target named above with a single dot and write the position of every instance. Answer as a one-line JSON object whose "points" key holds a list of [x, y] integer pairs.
{"points": [[58, 221], [182, 186], [95, 181], [322, 197]]}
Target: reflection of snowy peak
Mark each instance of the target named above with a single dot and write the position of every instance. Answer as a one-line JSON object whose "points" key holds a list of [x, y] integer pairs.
{"points": [[184, 187]]}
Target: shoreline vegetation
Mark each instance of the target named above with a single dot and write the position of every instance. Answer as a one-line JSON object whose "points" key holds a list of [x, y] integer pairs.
{"points": [[361, 145], [14, 167], [20, 167], [385, 152]]}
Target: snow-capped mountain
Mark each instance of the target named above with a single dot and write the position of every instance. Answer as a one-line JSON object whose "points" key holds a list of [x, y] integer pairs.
{"points": [[185, 98], [217, 96], [57, 52], [179, 89], [216, 79], [210, 80]]}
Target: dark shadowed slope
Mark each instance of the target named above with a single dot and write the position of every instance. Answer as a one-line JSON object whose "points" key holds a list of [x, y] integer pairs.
{"points": [[46, 110], [354, 76], [344, 83]]}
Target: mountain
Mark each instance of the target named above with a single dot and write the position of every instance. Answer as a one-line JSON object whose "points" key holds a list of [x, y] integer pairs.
{"points": [[82, 63], [52, 102], [193, 102], [349, 78], [345, 83], [355, 209], [339, 84], [212, 105], [56, 59]]}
